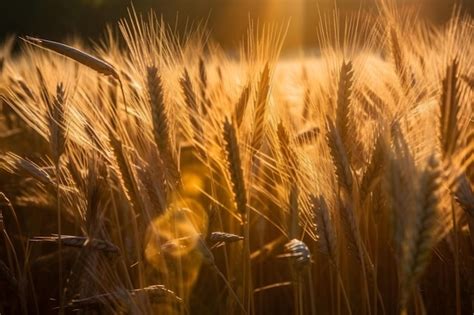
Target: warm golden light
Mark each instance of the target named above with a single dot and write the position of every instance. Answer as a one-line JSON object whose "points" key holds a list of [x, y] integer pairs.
{"points": [[266, 157]]}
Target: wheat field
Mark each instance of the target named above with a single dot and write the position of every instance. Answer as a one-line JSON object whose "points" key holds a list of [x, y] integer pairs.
{"points": [[152, 173]]}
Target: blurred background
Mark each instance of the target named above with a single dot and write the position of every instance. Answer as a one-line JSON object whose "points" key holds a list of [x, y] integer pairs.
{"points": [[228, 19]]}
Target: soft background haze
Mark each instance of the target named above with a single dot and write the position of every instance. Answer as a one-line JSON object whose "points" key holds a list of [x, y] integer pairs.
{"points": [[56, 19]]}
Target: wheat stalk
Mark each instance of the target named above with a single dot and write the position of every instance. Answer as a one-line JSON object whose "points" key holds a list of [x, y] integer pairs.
{"points": [[396, 54], [241, 106], [307, 137], [126, 176], [343, 102], [464, 195], [374, 170], [153, 292], [218, 237], [293, 223], [298, 252], [77, 55], [260, 113], [290, 157], [79, 241], [399, 60], [232, 153], [449, 109], [13, 163], [327, 239], [191, 102], [421, 238], [203, 81], [234, 165], [56, 123], [160, 119], [339, 157]]}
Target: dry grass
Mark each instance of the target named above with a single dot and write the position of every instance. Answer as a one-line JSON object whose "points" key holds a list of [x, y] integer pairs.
{"points": [[157, 174]]}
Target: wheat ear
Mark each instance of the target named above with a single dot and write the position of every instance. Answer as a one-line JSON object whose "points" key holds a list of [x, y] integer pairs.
{"points": [[449, 110], [339, 157], [234, 165], [260, 112], [327, 239], [343, 103], [289, 155], [191, 102], [374, 170], [307, 137], [160, 120], [241, 106], [83, 58], [421, 237], [56, 123], [203, 81]]}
